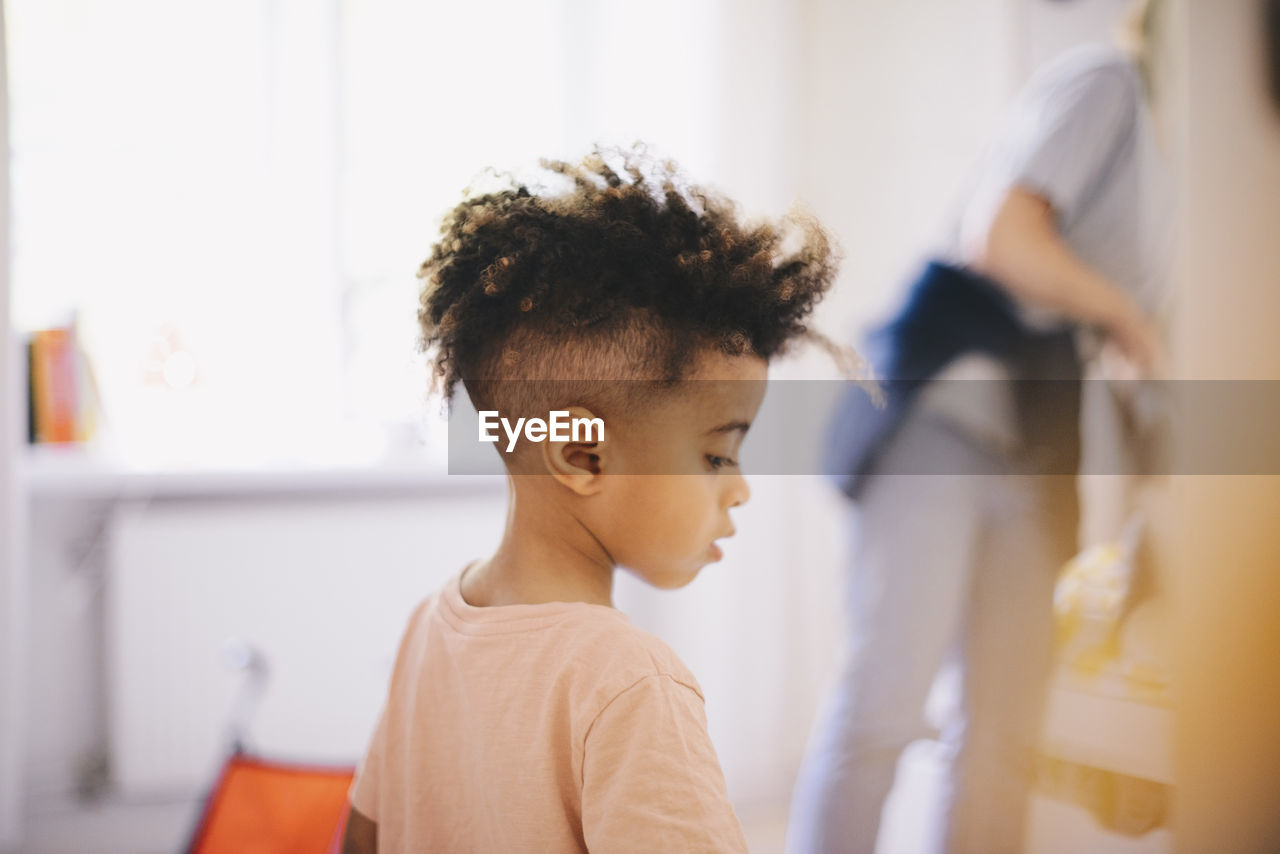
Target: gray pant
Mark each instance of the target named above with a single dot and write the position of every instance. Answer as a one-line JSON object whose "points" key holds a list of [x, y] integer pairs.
{"points": [[957, 563]]}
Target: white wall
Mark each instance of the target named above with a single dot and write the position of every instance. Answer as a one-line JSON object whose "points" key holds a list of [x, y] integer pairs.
{"points": [[1051, 26], [899, 101], [12, 527]]}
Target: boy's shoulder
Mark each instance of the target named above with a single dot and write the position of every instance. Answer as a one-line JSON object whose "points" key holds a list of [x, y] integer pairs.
{"points": [[630, 654], [582, 646]]}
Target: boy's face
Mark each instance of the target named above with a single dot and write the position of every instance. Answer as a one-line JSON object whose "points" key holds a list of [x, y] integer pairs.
{"points": [[673, 473]]}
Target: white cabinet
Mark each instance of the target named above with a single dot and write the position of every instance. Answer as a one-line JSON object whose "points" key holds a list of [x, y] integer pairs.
{"points": [[322, 588]]}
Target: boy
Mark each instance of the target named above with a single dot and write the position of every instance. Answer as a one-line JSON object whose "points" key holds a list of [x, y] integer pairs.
{"points": [[525, 713]]}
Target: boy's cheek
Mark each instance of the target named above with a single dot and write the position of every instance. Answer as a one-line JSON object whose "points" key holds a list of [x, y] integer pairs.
{"points": [[635, 500]]}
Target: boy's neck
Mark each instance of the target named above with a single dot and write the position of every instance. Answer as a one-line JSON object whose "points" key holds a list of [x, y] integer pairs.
{"points": [[546, 555]]}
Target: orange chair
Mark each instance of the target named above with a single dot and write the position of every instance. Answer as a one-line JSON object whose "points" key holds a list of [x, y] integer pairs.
{"points": [[266, 807]]}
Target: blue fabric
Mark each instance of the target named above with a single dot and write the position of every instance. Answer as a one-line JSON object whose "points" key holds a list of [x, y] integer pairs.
{"points": [[950, 311]]}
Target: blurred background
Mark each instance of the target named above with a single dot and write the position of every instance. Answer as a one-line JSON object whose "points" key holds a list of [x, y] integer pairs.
{"points": [[226, 202]]}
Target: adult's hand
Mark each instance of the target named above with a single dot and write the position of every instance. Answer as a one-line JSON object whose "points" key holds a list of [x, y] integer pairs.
{"points": [[1022, 251], [1133, 350]]}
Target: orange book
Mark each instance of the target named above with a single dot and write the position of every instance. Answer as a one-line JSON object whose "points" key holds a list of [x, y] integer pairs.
{"points": [[41, 390], [53, 378]]}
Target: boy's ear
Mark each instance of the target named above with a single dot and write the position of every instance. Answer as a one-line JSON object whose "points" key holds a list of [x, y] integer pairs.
{"points": [[579, 465]]}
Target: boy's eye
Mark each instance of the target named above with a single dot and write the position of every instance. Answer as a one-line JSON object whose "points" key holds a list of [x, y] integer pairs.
{"points": [[717, 463]]}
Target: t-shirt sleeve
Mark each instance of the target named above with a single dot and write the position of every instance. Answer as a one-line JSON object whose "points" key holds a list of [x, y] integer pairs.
{"points": [[651, 780], [363, 793], [1069, 137]]}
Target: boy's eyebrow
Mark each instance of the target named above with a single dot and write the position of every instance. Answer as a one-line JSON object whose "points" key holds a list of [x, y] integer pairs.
{"points": [[730, 426]]}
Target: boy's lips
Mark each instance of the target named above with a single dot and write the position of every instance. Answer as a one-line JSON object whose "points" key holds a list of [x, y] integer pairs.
{"points": [[716, 553]]}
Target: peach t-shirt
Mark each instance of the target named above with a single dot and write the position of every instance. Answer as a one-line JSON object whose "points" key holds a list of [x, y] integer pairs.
{"points": [[547, 728]]}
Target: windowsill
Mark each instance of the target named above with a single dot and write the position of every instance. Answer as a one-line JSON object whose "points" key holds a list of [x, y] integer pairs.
{"points": [[60, 472]]}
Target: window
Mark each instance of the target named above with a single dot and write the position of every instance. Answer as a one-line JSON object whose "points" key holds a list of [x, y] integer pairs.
{"points": [[253, 183]]}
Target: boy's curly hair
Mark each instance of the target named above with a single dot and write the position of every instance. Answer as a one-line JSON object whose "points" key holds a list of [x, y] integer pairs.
{"points": [[628, 274]]}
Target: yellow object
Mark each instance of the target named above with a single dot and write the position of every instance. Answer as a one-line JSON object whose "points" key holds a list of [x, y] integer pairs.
{"points": [[1090, 600]]}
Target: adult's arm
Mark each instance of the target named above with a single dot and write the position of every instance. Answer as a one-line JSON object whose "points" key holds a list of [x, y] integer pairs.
{"points": [[1023, 251]]}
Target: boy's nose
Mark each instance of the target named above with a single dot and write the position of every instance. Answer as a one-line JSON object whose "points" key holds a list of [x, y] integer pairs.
{"points": [[739, 491]]}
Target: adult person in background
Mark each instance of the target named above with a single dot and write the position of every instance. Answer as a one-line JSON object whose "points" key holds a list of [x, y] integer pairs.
{"points": [[1064, 237]]}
